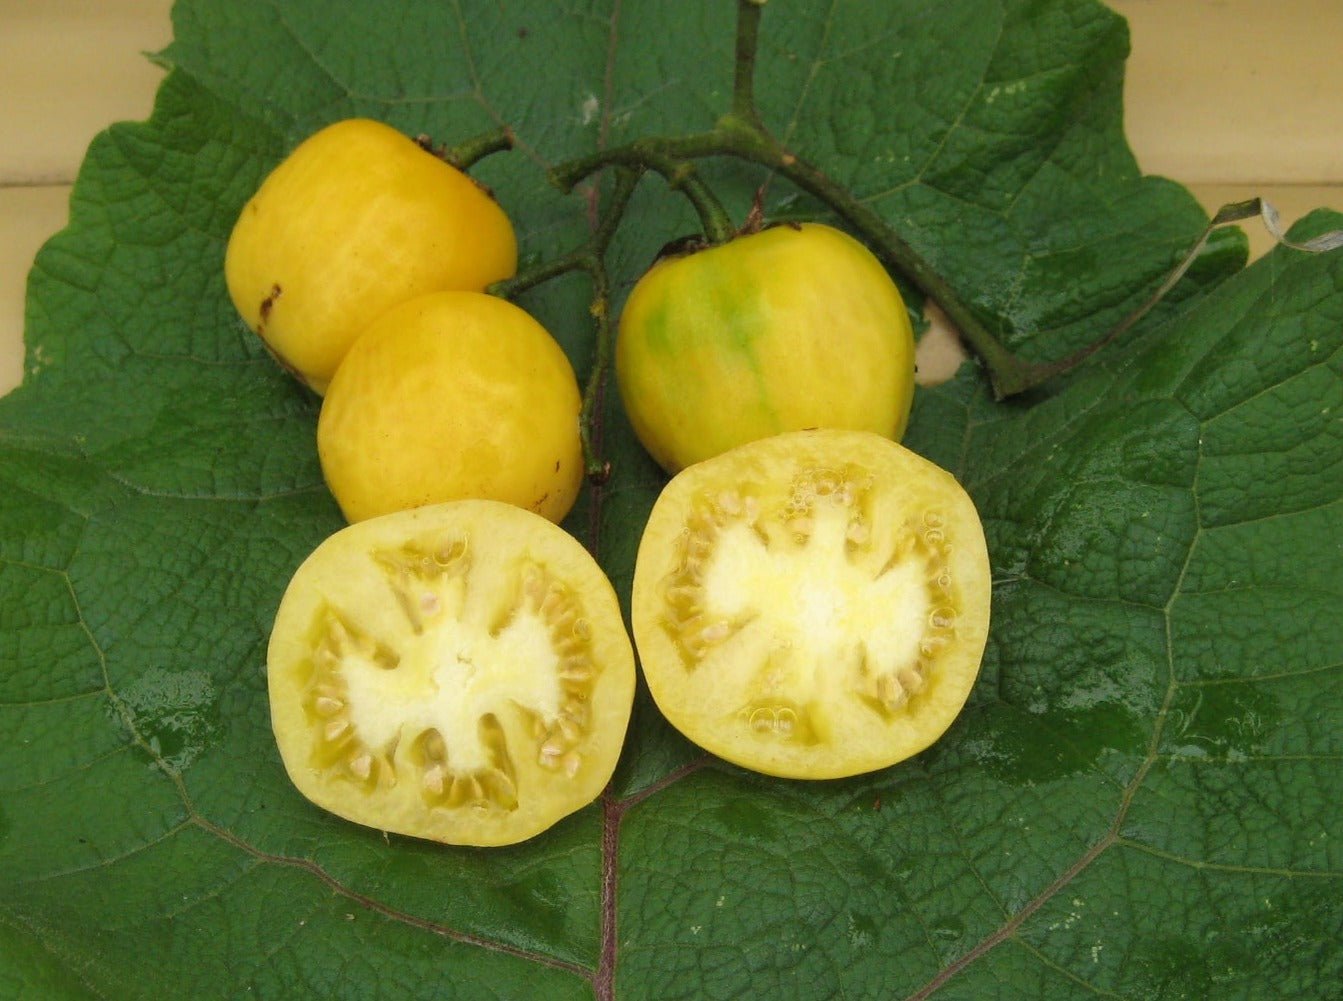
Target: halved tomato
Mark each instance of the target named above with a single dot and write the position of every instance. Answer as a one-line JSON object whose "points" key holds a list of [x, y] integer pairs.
{"points": [[458, 672], [812, 605]]}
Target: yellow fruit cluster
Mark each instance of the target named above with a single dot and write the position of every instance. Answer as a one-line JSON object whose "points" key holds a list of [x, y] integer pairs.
{"points": [[810, 599], [361, 262]]}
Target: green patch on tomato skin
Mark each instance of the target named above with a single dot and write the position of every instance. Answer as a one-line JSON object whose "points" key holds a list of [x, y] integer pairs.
{"points": [[657, 327], [737, 320], [734, 300]]}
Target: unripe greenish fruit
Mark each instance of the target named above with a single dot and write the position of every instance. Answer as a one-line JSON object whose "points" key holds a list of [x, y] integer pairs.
{"points": [[790, 328]]}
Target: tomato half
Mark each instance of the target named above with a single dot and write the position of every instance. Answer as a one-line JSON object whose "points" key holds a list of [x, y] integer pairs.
{"points": [[458, 672], [357, 219], [793, 327], [812, 605]]}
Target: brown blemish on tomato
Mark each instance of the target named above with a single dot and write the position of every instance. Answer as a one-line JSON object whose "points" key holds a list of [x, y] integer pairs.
{"points": [[267, 304]]}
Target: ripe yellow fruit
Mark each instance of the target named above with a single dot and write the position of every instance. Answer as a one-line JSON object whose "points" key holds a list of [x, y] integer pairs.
{"points": [[358, 218], [449, 396]]}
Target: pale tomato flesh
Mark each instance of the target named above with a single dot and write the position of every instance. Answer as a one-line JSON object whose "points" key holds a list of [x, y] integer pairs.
{"points": [[812, 605], [459, 672]]}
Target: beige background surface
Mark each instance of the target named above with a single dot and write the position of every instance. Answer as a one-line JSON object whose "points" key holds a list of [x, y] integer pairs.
{"points": [[1231, 97]]}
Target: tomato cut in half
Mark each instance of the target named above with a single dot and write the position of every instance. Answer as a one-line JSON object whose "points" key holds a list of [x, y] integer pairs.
{"points": [[458, 672], [812, 605]]}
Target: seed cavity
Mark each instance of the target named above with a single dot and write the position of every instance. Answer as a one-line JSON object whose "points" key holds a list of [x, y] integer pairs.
{"points": [[463, 712], [820, 589], [492, 786]]}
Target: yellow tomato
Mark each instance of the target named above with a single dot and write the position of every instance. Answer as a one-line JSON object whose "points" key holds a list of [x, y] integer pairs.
{"points": [[458, 672], [449, 396], [790, 328], [812, 605], [357, 219]]}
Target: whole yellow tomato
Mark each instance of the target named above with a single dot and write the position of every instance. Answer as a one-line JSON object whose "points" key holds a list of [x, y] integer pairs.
{"points": [[790, 328], [358, 218], [449, 396]]}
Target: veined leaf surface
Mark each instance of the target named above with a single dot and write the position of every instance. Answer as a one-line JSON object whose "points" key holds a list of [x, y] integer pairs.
{"points": [[1142, 799]]}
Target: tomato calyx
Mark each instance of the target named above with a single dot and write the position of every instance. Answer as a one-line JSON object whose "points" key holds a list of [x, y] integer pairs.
{"points": [[682, 246], [694, 243]]}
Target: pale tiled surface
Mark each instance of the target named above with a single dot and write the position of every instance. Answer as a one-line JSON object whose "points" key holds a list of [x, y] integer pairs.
{"points": [[1236, 90], [68, 69], [1232, 97]]}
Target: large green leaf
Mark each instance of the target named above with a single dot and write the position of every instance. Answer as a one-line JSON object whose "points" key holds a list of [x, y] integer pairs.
{"points": [[1142, 799]]}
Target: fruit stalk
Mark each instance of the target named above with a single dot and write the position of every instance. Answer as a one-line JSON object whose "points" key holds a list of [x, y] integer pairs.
{"points": [[740, 133], [658, 155], [468, 153], [590, 258], [743, 77]]}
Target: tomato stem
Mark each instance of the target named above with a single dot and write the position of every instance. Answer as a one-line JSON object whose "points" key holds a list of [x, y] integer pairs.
{"points": [[1032, 376], [740, 137], [743, 77], [469, 152], [591, 259], [594, 393], [654, 154], [741, 134]]}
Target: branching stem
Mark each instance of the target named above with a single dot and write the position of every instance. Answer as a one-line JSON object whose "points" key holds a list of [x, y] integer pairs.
{"points": [[654, 154], [590, 258], [741, 134]]}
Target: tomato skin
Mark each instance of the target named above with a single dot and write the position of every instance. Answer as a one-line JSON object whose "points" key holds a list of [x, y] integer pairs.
{"points": [[421, 664], [358, 218], [790, 328], [450, 396], [812, 605]]}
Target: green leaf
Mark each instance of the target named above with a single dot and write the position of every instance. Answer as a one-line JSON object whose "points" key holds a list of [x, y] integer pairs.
{"points": [[1142, 799]]}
